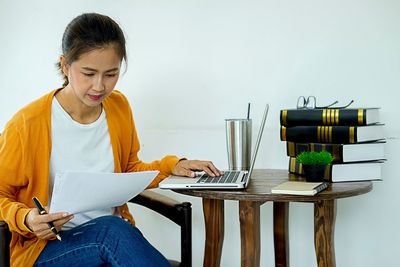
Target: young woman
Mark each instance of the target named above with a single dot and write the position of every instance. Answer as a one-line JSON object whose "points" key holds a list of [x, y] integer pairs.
{"points": [[85, 125]]}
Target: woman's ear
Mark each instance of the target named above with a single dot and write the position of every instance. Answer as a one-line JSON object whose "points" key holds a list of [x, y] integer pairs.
{"points": [[64, 65]]}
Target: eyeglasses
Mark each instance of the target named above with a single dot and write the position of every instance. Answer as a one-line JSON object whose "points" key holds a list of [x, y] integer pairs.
{"points": [[311, 103]]}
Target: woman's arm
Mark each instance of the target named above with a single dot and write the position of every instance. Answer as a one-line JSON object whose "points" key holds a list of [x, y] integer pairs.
{"points": [[11, 181]]}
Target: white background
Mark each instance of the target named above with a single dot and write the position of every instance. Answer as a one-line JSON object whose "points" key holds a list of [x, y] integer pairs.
{"points": [[194, 63]]}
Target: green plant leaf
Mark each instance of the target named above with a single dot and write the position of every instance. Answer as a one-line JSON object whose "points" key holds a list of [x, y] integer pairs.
{"points": [[315, 158]]}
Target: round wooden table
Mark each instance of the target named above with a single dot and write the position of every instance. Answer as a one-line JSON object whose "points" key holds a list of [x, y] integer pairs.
{"points": [[250, 200]]}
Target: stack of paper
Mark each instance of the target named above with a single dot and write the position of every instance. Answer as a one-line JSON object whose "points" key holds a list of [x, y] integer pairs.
{"points": [[76, 192]]}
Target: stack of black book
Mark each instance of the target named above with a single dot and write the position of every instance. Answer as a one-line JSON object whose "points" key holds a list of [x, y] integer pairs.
{"points": [[354, 137]]}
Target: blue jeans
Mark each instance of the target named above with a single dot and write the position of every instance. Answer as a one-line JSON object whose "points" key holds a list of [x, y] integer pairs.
{"points": [[104, 241]]}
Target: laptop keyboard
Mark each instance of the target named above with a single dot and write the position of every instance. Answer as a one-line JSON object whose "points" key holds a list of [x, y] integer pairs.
{"points": [[228, 177]]}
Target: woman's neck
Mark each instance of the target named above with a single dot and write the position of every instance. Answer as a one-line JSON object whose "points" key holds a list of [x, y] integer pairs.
{"points": [[79, 111]]}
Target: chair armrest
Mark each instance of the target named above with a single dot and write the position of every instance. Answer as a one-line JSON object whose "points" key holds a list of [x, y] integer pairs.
{"points": [[161, 199], [166, 206]]}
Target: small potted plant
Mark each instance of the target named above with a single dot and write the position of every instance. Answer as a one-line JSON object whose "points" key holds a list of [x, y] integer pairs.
{"points": [[314, 164]]}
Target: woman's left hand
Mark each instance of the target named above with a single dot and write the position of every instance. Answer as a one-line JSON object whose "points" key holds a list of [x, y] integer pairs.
{"points": [[189, 167]]}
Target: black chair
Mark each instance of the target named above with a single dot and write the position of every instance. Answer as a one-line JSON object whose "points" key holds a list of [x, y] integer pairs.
{"points": [[5, 238], [179, 213]]}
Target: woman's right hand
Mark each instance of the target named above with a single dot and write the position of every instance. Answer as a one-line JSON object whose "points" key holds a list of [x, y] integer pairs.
{"points": [[38, 223]]}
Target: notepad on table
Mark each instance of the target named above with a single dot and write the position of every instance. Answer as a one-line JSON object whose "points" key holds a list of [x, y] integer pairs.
{"points": [[299, 188]]}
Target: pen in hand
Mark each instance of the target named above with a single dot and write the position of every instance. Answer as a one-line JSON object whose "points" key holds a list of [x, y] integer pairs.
{"points": [[42, 211]]}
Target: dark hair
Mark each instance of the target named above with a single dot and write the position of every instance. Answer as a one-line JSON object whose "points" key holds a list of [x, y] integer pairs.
{"points": [[88, 32]]}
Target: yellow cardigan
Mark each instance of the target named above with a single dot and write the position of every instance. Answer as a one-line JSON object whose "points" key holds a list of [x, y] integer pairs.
{"points": [[25, 147]]}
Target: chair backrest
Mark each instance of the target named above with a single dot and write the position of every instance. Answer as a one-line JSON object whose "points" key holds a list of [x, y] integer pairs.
{"points": [[5, 239]]}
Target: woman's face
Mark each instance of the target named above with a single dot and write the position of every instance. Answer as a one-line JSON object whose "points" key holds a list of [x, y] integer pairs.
{"points": [[94, 75]]}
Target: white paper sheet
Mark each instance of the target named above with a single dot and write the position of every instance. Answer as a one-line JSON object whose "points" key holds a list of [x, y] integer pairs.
{"points": [[76, 192]]}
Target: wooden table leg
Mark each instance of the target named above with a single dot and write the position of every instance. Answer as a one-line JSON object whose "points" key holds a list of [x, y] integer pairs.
{"points": [[324, 226], [249, 215], [213, 210], [281, 234]]}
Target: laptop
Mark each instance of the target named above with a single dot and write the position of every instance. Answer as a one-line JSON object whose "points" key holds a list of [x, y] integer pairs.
{"points": [[230, 179]]}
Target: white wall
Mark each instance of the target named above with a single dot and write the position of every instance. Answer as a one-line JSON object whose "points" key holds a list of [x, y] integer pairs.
{"points": [[191, 62]]}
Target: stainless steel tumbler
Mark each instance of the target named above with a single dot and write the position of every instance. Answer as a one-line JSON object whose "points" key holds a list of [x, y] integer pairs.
{"points": [[238, 142]]}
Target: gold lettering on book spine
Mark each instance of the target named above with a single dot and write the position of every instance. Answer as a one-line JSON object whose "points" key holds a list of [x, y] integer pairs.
{"points": [[311, 147], [328, 173], [293, 164], [328, 117], [327, 134], [330, 134], [332, 117], [360, 117], [336, 116], [300, 168], [291, 150], [283, 133], [335, 153], [324, 116], [351, 135], [319, 134], [284, 116], [322, 133]]}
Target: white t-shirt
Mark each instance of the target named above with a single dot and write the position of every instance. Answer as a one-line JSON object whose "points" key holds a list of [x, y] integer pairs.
{"points": [[79, 147]]}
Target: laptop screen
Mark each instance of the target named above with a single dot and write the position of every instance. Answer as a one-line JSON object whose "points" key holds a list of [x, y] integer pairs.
{"points": [[260, 133]]}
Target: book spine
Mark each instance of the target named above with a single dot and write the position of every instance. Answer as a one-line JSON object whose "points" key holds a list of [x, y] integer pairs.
{"points": [[294, 149], [320, 134], [297, 168], [356, 117]]}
